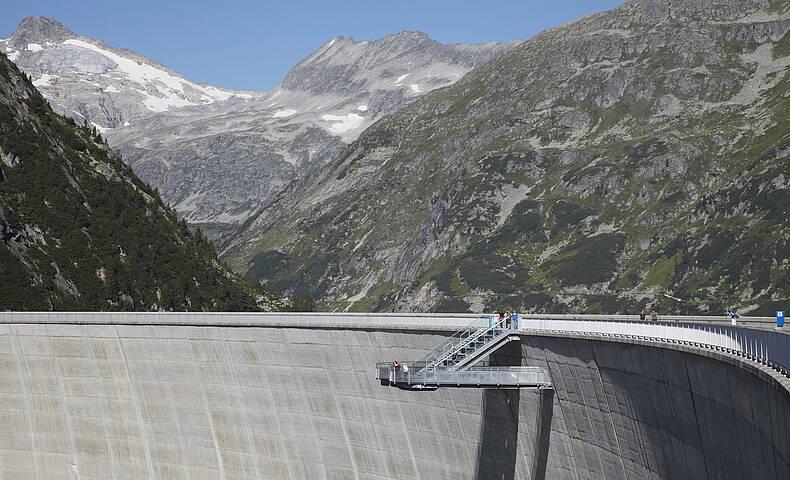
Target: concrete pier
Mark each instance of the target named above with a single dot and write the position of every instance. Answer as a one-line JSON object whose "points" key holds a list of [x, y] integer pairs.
{"points": [[168, 402]]}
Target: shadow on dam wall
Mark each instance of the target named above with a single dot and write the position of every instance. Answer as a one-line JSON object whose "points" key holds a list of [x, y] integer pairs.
{"points": [[625, 410], [498, 451]]}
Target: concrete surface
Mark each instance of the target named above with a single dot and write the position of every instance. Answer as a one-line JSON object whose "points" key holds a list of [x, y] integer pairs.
{"points": [[171, 402]]}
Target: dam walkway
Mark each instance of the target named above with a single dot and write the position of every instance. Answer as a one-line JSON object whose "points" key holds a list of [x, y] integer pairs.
{"points": [[452, 363]]}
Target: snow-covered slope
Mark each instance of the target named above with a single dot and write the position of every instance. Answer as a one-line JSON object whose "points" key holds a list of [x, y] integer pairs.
{"points": [[219, 155], [108, 87], [324, 103]]}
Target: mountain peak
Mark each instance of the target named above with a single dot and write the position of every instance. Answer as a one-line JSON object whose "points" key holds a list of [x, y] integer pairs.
{"points": [[407, 39], [334, 67], [409, 35], [39, 29]]}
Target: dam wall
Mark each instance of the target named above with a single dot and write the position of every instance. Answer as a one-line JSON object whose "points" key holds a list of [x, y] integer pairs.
{"points": [[633, 410], [114, 401]]}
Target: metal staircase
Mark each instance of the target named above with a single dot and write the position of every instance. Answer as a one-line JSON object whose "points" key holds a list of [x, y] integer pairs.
{"points": [[468, 346], [451, 363]]}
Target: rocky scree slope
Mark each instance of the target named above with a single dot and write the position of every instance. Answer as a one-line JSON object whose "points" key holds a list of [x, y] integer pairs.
{"points": [[596, 167], [221, 166], [79, 231]]}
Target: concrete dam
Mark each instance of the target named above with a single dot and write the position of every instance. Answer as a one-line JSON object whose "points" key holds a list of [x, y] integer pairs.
{"points": [[293, 396]]}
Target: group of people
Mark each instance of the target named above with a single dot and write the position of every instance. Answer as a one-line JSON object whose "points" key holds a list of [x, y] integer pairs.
{"points": [[653, 315], [398, 366], [507, 317]]}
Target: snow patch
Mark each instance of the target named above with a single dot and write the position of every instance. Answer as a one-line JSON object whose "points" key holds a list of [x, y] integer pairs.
{"points": [[173, 95], [44, 81], [12, 55], [415, 88], [284, 113], [401, 78], [362, 108], [343, 123], [34, 47], [157, 104], [112, 89]]}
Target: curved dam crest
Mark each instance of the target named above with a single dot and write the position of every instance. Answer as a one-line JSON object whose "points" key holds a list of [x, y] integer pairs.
{"points": [[141, 401]]}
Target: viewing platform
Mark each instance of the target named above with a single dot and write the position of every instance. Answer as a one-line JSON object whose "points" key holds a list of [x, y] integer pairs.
{"points": [[409, 377], [452, 363]]}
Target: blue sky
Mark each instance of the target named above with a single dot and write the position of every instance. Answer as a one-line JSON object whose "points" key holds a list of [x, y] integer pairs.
{"points": [[252, 44]]}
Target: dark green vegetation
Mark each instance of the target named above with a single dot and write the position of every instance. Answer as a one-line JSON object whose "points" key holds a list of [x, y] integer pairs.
{"points": [[598, 166], [79, 231]]}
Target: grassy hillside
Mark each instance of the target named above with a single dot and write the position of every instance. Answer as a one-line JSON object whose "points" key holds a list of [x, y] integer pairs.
{"points": [[597, 167]]}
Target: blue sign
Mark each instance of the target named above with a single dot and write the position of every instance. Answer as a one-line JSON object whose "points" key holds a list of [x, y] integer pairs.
{"points": [[780, 318]]}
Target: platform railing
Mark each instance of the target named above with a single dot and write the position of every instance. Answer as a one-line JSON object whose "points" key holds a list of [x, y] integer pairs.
{"points": [[468, 340], [408, 376], [460, 339], [767, 347]]}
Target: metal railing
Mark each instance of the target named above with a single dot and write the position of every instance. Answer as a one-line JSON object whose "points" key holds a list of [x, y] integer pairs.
{"points": [[403, 321], [413, 378], [767, 347], [462, 339], [763, 323]]}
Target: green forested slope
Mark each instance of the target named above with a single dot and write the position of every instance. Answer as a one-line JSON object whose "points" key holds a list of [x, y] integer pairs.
{"points": [[597, 167], [79, 231]]}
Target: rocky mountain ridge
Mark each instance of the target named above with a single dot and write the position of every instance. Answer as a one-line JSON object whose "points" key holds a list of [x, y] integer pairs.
{"points": [[106, 87], [219, 155], [221, 166], [598, 166]]}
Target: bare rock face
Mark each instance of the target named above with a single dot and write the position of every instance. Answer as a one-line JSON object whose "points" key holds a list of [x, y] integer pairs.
{"points": [[410, 60], [220, 166], [219, 155], [38, 30], [595, 167]]}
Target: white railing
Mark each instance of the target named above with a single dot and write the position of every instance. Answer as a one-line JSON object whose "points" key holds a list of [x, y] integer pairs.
{"points": [[767, 347], [465, 339], [430, 321], [753, 337]]}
